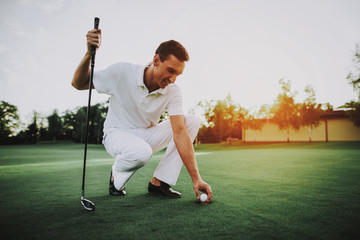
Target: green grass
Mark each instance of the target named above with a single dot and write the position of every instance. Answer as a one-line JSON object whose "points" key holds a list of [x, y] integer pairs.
{"points": [[261, 191]]}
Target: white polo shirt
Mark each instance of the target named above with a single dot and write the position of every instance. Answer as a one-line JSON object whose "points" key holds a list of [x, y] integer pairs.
{"points": [[131, 105]]}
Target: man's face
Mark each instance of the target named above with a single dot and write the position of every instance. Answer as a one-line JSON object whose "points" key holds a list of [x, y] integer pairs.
{"points": [[166, 72]]}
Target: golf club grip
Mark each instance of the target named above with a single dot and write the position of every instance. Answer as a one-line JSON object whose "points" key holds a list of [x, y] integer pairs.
{"points": [[96, 26], [96, 23]]}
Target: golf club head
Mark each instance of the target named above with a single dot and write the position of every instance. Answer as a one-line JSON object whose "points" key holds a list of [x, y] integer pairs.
{"points": [[88, 205]]}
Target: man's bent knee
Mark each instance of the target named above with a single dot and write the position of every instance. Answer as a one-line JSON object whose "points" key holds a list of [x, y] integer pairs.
{"points": [[134, 158], [143, 155]]}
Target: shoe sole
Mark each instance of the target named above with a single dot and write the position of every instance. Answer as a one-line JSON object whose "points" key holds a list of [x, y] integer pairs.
{"points": [[158, 194], [117, 195]]}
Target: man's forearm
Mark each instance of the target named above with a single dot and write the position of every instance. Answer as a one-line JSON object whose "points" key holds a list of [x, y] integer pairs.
{"points": [[82, 73], [185, 148]]}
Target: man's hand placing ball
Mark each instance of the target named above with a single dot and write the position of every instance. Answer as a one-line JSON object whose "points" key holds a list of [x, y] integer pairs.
{"points": [[205, 188]]}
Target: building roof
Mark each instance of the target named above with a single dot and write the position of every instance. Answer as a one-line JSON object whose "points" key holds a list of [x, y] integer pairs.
{"points": [[334, 114]]}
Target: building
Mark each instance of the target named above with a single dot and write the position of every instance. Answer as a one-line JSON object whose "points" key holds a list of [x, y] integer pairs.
{"points": [[334, 126]]}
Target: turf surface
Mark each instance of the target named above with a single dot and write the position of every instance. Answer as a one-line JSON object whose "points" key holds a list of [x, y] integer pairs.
{"points": [[261, 191]]}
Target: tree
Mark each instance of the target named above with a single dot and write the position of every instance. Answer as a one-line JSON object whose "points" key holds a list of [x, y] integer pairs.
{"points": [[286, 113], [264, 112], [80, 124], [354, 113], [98, 116], [251, 122], [231, 112], [241, 121], [327, 107], [69, 124], [164, 116], [310, 110], [223, 119], [32, 131], [207, 133], [207, 111], [8, 121], [77, 122], [354, 79], [55, 129], [218, 119], [354, 76]]}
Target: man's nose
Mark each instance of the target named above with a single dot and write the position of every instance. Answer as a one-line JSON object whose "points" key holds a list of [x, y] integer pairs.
{"points": [[173, 79]]}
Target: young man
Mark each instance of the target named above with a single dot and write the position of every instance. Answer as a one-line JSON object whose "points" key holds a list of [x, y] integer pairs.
{"points": [[138, 97]]}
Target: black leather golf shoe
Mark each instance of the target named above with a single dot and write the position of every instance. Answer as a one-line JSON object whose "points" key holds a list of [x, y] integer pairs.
{"points": [[113, 191], [164, 190]]}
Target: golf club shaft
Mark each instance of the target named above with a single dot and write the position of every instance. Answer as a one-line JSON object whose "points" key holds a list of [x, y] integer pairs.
{"points": [[96, 26]]}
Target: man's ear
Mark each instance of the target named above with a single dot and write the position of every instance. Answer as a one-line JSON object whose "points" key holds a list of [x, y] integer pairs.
{"points": [[156, 60]]}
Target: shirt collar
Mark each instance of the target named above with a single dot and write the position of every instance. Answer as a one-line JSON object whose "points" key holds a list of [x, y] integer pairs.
{"points": [[140, 79], [140, 82]]}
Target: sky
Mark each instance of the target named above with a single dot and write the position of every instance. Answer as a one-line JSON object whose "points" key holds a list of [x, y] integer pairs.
{"points": [[242, 48]]}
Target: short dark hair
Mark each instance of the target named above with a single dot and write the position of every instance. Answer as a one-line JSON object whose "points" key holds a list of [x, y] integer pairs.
{"points": [[173, 47]]}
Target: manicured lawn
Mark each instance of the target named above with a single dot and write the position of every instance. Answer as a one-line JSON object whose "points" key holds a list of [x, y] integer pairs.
{"points": [[261, 191]]}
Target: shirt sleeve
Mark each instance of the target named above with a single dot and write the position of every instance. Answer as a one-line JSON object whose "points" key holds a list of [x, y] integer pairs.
{"points": [[175, 106], [105, 81]]}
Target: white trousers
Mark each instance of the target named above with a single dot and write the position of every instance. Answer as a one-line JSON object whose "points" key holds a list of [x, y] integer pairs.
{"points": [[133, 148]]}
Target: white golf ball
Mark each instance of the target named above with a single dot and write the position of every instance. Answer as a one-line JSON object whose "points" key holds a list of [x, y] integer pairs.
{"points": [[203, 197]]}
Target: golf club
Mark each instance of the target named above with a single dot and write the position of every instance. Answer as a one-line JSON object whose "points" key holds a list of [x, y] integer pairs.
{"points": [[88, 205]]}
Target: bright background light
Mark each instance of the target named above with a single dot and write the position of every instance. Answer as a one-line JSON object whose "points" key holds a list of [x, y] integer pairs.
{"points": [[240, 48]]}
